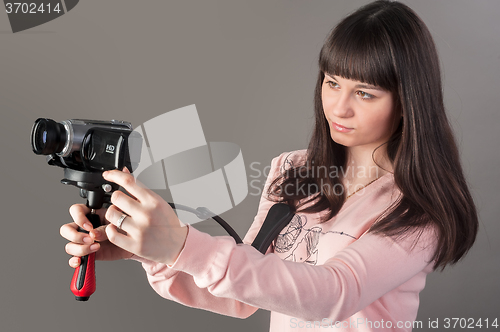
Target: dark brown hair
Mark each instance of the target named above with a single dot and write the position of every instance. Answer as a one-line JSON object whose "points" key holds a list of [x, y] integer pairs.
{"points": [[386, 44]]}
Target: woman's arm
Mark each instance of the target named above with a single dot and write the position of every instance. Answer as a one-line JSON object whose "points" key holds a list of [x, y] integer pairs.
{"points": [[181, 287], [345, 284]]}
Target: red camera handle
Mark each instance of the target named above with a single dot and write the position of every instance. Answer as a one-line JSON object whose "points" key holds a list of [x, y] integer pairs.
{"points": [[83, 283]]}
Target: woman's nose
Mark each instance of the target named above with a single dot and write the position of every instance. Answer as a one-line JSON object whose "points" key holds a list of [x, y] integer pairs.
{"points": [[342, 107]]}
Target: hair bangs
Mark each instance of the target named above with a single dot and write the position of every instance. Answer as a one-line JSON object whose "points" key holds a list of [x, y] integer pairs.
{"points": [[360, 52]]}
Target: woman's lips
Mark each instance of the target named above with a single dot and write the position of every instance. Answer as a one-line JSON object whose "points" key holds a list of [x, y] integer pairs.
{"points": [[340, 128]]}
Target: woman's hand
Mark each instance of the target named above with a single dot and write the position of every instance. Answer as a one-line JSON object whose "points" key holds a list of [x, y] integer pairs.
{"points": [[82, 244], [151, 229]]}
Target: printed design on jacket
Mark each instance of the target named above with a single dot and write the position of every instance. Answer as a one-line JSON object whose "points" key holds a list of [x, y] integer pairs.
{"points": [[287, 164], [286, 239], [305, 250]]}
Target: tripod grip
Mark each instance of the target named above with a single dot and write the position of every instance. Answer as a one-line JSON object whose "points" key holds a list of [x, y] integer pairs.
{"points": [[83, 283]]}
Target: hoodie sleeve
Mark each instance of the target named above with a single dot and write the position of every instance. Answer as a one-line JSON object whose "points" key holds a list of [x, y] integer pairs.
{"points": [[348, 282]]}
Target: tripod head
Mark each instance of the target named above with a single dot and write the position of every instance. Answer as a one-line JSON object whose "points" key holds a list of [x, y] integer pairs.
{"points": [[92, 186]]}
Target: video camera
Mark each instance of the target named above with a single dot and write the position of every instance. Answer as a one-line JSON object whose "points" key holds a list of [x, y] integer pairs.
{"points": [[87, 145]]}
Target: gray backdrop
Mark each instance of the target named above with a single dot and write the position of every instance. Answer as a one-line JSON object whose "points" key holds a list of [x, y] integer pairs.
{"points": [[250, 68]]}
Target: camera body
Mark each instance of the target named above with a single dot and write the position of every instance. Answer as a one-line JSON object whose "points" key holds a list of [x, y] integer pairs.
{"points": [[87, 145]]}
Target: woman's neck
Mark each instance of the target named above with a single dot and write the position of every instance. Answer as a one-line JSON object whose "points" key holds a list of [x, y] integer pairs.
{"points": [[361, 166]]}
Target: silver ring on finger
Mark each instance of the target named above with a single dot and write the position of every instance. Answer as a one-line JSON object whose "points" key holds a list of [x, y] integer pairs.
{"points": [[120, 221]]}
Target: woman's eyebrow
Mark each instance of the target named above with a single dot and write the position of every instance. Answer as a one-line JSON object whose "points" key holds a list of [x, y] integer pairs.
{"points": [[368, 86], [360, 86]]}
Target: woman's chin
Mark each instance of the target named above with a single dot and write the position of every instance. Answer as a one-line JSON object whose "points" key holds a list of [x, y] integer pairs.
{"points": [[342, 140]]}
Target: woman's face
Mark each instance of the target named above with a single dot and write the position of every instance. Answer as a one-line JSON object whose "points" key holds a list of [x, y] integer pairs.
{"points": [[359, 114]]}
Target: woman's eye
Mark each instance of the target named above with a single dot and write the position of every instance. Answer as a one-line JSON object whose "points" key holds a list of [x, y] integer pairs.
{"points": [[332, 84], [365, 95]]}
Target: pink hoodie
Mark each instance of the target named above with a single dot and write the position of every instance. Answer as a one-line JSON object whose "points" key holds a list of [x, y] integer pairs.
{"points": [[333, 274]]}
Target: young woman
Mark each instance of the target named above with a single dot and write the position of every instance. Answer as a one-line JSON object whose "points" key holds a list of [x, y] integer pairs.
{"points": [[379, 196]]}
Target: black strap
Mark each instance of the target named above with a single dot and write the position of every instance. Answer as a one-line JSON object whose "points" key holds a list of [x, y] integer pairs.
{"points": [[279, 215]]}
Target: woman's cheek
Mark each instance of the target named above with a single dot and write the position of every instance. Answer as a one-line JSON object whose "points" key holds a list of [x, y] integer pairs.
{"points": [[382, 126]]}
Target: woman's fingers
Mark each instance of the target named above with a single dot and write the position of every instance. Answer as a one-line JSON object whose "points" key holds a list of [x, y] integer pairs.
{"points": [[118, 236], [114, 216], [81, 244], [70, 232], [128, 182], [99, 234], [106, 252], [80, 250], [78, 212], [74, 262], [144, 224], [125, 203]]}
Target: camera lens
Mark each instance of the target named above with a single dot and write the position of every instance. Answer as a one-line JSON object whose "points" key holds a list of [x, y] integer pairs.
{"points": [[47, 137]]}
